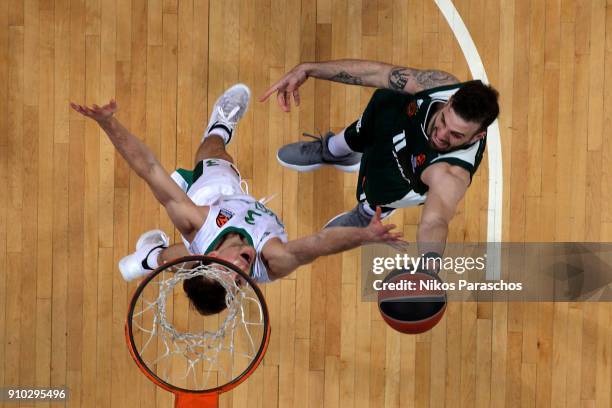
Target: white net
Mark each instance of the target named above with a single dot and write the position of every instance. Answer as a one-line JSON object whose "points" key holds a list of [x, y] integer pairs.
{"points": [[189, 350]]}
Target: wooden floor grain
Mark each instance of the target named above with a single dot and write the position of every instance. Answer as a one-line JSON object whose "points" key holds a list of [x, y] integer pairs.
{"points": [[71, 208]]}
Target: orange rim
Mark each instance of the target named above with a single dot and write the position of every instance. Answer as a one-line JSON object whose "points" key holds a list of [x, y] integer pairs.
{"points": [[185, 395]]}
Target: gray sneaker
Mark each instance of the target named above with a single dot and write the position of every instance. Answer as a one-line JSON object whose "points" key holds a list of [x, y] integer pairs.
{"points": [[308, 156], [357, 217]]}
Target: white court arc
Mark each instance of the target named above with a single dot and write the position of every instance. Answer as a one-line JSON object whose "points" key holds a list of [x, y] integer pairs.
{"points": [[496, 180]]}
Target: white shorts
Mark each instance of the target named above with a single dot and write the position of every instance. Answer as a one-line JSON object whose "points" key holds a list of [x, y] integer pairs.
{"points": [[211, 179]]}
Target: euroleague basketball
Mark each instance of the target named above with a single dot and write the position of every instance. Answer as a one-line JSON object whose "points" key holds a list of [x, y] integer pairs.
{"points": [[412, 303]]}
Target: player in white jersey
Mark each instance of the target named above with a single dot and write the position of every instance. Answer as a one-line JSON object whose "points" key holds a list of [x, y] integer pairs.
{"points": [[214, 214]]}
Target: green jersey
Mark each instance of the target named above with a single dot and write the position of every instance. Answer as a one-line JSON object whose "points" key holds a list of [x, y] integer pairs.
{"points": [[392, 136]]}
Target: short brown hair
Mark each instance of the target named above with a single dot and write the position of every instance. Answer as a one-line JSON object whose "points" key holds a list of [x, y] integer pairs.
{"points": [[476, 102], [207, 295]]}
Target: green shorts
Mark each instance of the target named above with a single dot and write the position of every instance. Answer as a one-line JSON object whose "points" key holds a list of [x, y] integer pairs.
{"points": [[381, 180]]}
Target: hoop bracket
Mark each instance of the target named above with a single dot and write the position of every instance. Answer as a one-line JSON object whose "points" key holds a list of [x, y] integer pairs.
{"points": [[196, 400]]}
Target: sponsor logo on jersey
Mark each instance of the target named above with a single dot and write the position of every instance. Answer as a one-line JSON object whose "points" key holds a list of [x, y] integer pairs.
{"points": [[411, 109], [418, 161], [223, 217], [358, 126]]}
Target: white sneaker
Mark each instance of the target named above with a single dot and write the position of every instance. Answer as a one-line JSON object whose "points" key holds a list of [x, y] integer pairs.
{"points": [[228, 110], [135, 265]]}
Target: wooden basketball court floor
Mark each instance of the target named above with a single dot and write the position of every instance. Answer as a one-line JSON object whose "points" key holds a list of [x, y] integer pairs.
{"points": [[70, 207]]}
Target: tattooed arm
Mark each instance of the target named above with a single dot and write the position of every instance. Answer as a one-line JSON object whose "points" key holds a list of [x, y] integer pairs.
{"points": [[352, 72], [411, 80], [379, 75], [357, 72]]}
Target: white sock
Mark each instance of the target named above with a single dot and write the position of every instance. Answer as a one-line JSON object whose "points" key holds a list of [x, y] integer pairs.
{"points": [[368, 210], [218, 131], [371, 211], [337, 145]]}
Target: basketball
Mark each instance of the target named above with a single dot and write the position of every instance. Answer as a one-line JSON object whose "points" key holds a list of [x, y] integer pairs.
{"points": [[412, 303]]}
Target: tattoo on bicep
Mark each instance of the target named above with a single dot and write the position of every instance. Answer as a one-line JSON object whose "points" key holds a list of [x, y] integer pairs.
{"points": [[398, 78], [423, 79], [432, 78], [347, 78]]}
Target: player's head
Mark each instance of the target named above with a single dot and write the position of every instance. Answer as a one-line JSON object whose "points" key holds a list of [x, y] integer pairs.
{"points": [[465, 118], [208, 295], [235, 249]]}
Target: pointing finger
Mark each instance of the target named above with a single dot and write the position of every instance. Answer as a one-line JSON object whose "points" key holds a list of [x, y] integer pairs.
{"points": [[269, 92]]}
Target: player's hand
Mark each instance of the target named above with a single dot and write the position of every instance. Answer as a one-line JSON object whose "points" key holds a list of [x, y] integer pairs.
{"points": [[287, 86], [376, 231], [97, 113]]}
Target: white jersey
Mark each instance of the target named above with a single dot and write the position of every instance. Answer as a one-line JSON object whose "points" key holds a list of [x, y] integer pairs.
{"points": [[243, 215], [216, 183]]}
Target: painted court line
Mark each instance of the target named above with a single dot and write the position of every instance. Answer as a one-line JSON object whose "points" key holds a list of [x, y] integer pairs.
{"points": [[496, 182]]}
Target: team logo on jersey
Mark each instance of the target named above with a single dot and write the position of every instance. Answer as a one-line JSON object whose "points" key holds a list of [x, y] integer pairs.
{"points": [[411, 110], [418, 161], [223, 217]]}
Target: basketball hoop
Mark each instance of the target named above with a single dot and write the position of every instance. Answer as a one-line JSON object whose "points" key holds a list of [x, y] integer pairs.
{"points": [[197, 357]]}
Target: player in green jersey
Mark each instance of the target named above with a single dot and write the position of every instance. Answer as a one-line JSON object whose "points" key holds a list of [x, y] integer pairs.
{"points": [[419, 140]]}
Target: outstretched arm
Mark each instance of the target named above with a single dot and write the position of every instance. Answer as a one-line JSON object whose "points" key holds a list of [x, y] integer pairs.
{"points": [[357, 72], [283, 259], [447, 186], [186, 216]]}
